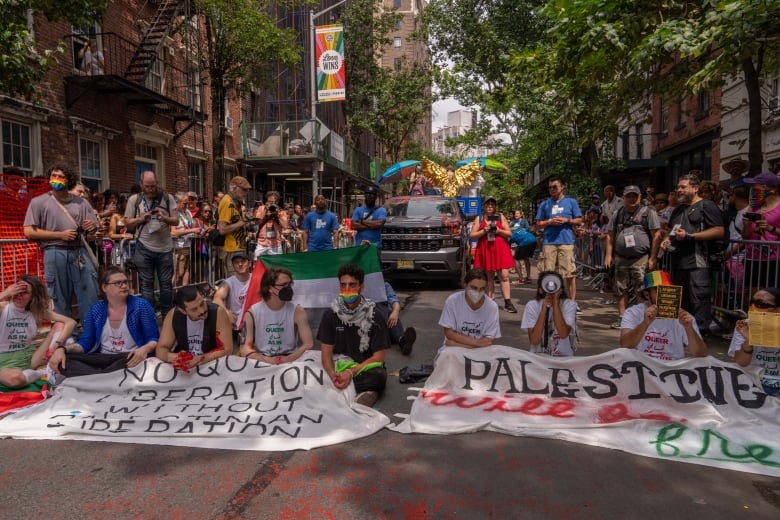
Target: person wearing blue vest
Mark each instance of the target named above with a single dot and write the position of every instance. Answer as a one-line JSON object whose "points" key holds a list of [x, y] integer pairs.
{"points": [[557, 216], [368, 219]]}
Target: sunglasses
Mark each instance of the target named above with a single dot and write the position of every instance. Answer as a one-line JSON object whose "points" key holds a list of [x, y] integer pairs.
{"points": [[760, 304]]}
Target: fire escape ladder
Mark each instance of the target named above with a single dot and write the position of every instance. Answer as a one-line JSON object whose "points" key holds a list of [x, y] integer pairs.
{"points": [[152, 42]]}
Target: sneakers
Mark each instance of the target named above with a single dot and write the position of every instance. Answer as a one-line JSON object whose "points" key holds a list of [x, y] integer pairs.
{"points": [[616, 324], [510, 308], [407, 341], [367, 398], [579, 311]]}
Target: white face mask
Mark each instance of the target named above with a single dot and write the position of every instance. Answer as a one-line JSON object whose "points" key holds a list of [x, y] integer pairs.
{"points": [[474, 295]]}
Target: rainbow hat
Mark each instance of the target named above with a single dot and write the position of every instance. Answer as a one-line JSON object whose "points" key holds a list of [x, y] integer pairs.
{"points": [[656, 278]]}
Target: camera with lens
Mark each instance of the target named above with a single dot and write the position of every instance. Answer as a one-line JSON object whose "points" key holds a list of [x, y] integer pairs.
{"points": [[273, 208], [551, 284]]}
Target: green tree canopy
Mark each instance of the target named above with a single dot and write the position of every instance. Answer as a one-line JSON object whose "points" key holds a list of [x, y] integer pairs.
{"points": [[23, 62]]}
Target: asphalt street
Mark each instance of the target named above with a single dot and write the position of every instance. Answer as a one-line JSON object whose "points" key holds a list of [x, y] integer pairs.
{"points": [[386, 475]]}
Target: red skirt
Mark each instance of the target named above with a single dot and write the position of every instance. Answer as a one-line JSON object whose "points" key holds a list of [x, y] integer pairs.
{"points": [[493, 256]]}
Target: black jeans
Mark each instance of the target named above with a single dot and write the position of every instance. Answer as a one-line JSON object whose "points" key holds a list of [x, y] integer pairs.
{"points": [[374, 379], [148, 264], [696, 294], [79, 364]]}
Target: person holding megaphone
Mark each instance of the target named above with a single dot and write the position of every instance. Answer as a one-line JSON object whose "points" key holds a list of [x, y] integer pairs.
{"points": [[551, 318]]}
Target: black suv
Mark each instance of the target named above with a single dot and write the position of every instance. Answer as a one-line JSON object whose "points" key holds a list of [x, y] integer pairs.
{"points": [[424, 237]]}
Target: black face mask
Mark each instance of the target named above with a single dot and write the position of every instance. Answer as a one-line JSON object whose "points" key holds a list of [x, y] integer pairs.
{"points": [[286, 294]]}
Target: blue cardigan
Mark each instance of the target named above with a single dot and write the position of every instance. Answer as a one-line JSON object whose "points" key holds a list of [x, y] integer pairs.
{"points": [[141, 321]]}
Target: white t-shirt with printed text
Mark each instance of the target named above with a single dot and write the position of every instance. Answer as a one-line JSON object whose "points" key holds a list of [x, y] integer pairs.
{"points": [[664, 339], [479, 323]]}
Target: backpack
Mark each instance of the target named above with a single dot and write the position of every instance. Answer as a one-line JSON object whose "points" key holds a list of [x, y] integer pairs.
{"points": [[522, 237], [641, 214]]}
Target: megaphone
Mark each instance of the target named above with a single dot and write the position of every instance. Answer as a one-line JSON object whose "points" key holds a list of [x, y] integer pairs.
{"points": [[551, 284]]}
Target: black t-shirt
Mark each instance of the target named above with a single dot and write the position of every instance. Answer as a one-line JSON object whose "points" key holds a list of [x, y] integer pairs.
{"points": [[345, 338], [692, 254]]}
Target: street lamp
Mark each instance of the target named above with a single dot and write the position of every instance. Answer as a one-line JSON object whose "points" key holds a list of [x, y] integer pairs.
{"points": [[316, 164]]}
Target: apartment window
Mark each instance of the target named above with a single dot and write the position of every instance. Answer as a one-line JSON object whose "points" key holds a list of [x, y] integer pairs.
{"points": [[664, 122], [147, 158], [624, 145], [398, 25], [774, 98], [17, 146], [681, 113], [640, 144], [92, 163], [703, 103], [156, 79], [397, 42], [397, 63], [196, 172], [396, 4], [193, 88], [81, 36]]}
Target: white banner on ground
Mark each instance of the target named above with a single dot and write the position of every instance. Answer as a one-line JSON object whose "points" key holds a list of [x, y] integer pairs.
{"points": [[701, 410], [230, 403]]}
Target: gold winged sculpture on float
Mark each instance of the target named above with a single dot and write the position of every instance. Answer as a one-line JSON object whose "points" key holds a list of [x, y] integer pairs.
{"points": [[449, 180]]}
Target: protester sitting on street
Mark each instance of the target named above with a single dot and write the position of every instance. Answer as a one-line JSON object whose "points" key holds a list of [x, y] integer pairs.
{"points": [[391, 311], [765, 300], [353, 339], [120, 332], [660, 338], [551, 317], [23, 308], [277, 330], [231, 294], [493, 253], [469, 318], [195, 332]]}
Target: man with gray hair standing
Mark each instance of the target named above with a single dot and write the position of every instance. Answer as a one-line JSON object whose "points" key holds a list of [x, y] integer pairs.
{"points": [[152, 213]]}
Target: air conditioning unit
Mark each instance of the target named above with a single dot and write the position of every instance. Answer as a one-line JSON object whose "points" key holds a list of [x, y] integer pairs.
{"points": [[228, 122]]}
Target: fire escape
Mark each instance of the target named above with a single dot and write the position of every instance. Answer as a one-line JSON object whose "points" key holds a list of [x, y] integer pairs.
{"points": [[147, 72]]}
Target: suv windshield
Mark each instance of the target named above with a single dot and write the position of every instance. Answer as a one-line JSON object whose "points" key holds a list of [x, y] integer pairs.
{"points": [[420, 208]]}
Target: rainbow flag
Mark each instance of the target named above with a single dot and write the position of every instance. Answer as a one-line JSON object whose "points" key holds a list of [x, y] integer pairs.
{"points": [[656, 278], [315, 275]]}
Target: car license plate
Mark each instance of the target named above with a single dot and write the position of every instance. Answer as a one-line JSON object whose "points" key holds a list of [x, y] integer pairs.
{"points": [[405, 264]]}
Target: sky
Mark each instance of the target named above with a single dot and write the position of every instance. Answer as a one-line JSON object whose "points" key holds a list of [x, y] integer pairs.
{"points": [[440, 110]]}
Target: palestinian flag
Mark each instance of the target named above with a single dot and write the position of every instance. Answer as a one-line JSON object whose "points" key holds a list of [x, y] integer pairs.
{"points": [[315, 275], [12, 398]]}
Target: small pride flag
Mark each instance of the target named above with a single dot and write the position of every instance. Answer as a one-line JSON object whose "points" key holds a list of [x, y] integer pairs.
{"points": [[656, 278]]}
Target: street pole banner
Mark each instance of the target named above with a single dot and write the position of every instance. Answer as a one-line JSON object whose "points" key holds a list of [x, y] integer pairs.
{"points": [[230, 403], [329, 55], [697, 410]]}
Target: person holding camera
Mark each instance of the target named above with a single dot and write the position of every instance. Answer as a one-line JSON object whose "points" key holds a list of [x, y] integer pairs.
{"points": [[493, 253], [272, 221], [551, 317], [62, 224]]}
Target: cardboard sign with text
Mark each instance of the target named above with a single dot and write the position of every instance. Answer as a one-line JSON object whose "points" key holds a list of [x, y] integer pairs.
{"points": [[668, 301], [764, 329]]}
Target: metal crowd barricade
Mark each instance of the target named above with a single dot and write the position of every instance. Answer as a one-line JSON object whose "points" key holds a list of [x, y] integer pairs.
{"points": [[19, 256], [746, 266]]}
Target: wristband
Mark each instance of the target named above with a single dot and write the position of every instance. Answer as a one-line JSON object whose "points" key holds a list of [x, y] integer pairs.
{"points": [[59, 345], [746, 351]]}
